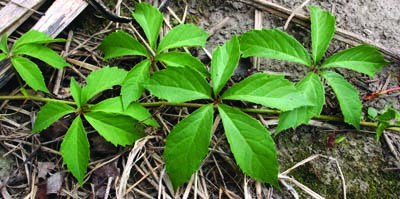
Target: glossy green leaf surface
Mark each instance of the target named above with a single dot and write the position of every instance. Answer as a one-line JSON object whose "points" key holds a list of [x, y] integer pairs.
{"points": [[4, 43], [182, 59], [76, 92], [75, 150], [347, 96], [268, 90], [2, 56], [50, 113], [134, 110], [274, 44], [101, 80], [388, 117], [115, 128], [34, 37], [132, 86], [178, 85], [363, 58], [313, 89], [323, 27], [150, 19], [251, 145], [30, 73], [225, 60], [183, 35], [43, 53], [187, 145], [119, 44]]}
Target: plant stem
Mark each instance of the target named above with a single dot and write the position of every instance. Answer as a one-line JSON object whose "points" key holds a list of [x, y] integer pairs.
{"points": [[195, 105], [390, 90], [36, 98]]}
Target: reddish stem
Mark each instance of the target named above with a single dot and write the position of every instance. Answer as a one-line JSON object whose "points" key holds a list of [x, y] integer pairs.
{"points": [[377, 94]]}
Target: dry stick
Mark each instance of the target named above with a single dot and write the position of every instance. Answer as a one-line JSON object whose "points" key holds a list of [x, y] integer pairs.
{"points": [[219, 25], [340, 34], [128, 167], [258, 190], [160, 186], [290, 189], [195, 184], [60, 73], [110, 179], [30, 9], [283, 175], [145, 43], [83, 65], [139, 181], [391, 147], [295, 11], [188, 188], [257, 25], [82, 44]]}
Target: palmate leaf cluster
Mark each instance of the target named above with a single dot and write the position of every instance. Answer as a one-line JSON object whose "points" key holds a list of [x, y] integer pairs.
{"points": [[251, 143], [276, 44], [385, 118], [186, 79], [107, 117], [31, 44]]}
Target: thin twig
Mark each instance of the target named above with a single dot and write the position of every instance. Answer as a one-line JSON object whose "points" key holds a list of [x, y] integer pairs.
{"points": [[294, 12]]}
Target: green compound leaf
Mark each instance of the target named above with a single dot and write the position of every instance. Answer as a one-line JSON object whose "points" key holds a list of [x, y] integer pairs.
{"points": [[76, 92], [182, 59], [34, 37], [274, 44], [50, 113], [251, 145], [313, 89], [132, 86], [363, 58], [2, 56], [75, 150], [150, 19], [134, 110], [187, 145], [347, 95], [101, 80], [3, 43], [115, 128], [268, 90], [183, 35], [380, 129], [225, 60], [388, 117], [43, 53], [178, 85], [323, 26], [30, 73], [119, 44]]}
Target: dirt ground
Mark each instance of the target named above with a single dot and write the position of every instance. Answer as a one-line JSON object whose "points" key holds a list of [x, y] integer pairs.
{"points": [[365, 164]]}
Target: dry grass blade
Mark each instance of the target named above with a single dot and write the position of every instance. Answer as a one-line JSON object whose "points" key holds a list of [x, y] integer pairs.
{"points": [[283, 175], [132, 158], [294, 12]]}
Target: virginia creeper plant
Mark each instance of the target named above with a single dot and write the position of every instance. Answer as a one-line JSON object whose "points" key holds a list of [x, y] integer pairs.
{"points": [[184, 80], [277, 44], [31, 44], [120, 120]]}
